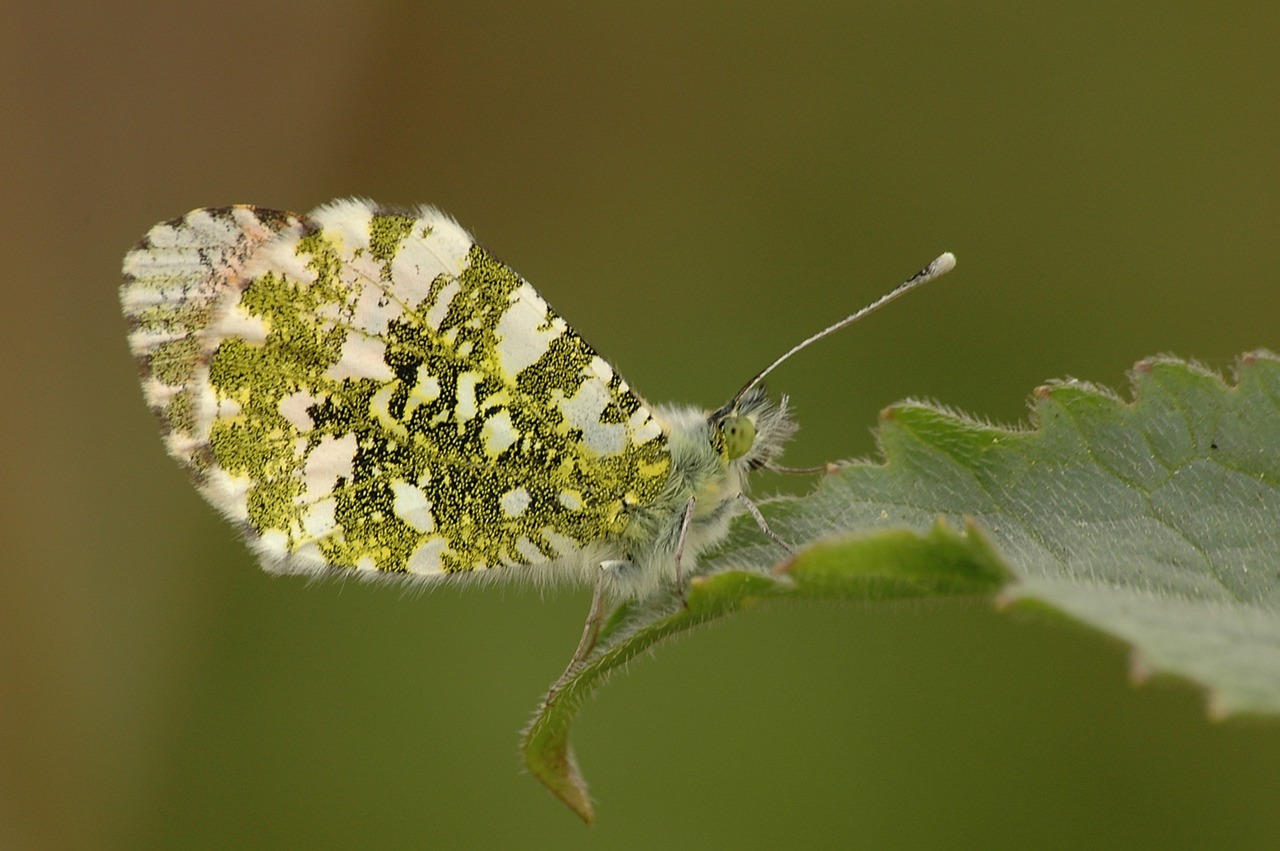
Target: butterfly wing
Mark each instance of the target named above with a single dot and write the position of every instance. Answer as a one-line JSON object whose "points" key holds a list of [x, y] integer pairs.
{"points": [[372, 390]]}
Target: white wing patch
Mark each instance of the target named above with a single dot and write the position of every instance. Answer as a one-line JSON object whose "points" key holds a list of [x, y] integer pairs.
{"points": [[525, 331], [413, 507]]}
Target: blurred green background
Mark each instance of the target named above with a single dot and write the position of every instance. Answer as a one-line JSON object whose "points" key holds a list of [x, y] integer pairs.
{"points": [[695, 187]]}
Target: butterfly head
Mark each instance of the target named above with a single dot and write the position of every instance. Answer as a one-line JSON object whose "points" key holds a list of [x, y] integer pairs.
{"points": [[752, 429]]}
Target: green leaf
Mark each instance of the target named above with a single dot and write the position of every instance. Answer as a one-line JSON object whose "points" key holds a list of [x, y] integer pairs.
{"points": [[1157, 521]]}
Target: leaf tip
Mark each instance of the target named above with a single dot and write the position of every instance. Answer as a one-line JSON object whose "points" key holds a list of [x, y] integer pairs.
{"points": [[554, 765]]}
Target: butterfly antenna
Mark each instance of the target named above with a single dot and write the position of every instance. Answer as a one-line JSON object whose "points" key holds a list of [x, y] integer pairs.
{"points": [[943, 264]]}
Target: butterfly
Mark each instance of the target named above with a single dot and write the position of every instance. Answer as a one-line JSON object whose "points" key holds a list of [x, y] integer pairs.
{"points": [[368, 391]]}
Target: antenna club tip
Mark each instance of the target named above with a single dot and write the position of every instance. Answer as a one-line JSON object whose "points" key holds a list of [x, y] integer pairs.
{"points": [[945, 262]]}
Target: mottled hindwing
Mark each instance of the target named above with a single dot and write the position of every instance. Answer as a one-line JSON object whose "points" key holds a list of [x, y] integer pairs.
{"points": [[369, 389]]}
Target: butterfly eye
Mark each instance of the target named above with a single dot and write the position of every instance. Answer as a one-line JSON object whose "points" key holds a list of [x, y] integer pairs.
{"points": [[739, 433]]}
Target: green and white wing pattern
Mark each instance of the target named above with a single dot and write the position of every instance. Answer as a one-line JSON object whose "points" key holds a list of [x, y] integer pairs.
{"points": [[371, 390]]}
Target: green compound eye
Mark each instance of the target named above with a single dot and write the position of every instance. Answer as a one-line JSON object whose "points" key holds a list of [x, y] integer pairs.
{"points": [[739, 434]]}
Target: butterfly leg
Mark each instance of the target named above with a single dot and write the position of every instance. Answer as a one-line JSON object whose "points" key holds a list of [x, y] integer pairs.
{"points": [[764, 527], [685, 522], [827, 468]]}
